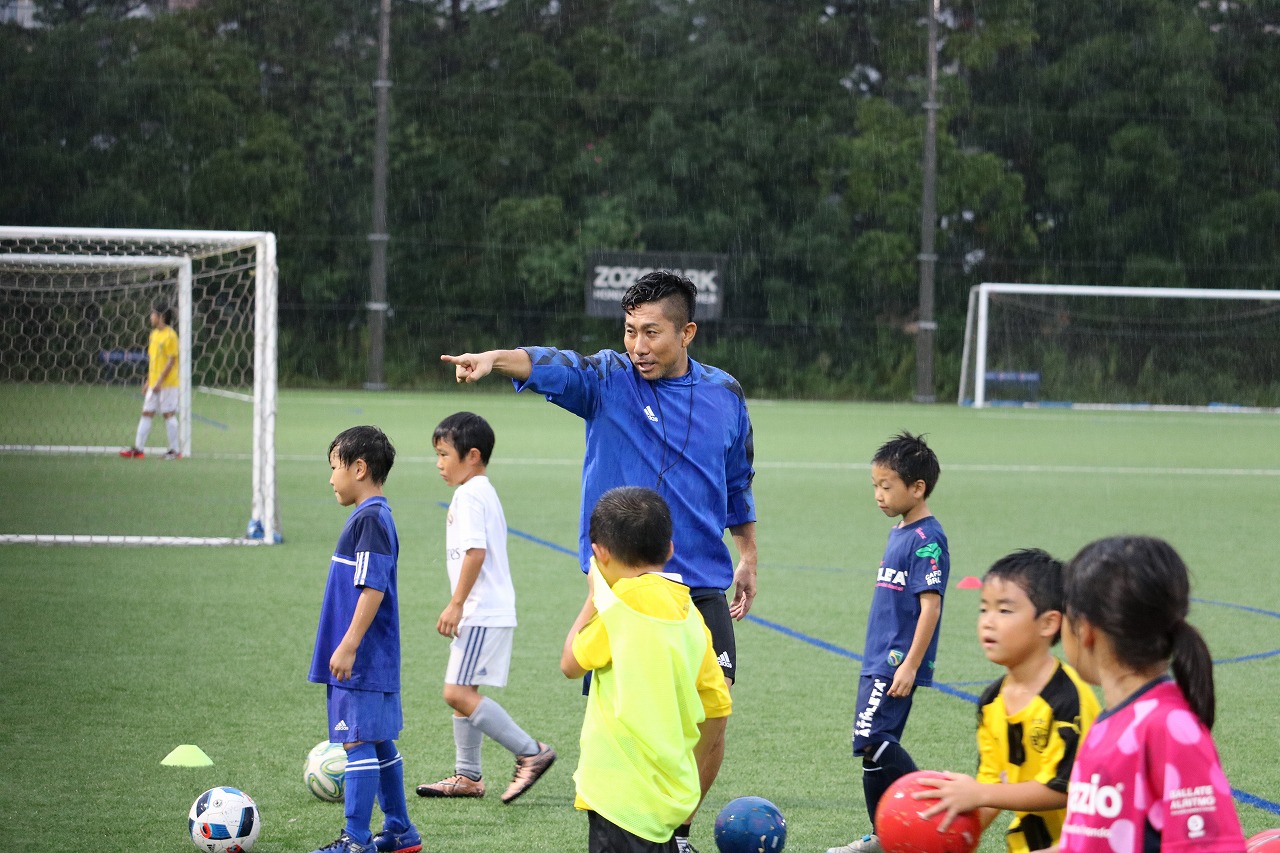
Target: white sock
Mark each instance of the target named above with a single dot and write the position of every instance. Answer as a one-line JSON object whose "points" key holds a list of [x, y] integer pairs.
{"points": [[144, 430], [171, 426]]}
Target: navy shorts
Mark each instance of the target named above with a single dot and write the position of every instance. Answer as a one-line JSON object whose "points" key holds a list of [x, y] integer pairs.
{"points": [[714, 607], [878, 717], [363, 716]]}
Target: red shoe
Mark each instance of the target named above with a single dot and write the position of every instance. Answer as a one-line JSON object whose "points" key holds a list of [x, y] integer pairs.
{"points": [[132, 453]]}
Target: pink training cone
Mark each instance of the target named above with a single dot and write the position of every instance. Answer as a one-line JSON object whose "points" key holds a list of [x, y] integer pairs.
{"points": [[969, 582]]}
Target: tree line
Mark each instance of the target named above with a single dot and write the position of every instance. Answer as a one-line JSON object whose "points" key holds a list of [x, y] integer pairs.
{"points": [[1092, 141]]}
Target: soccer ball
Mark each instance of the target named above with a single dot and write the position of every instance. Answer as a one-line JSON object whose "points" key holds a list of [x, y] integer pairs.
{"points": [[224, 820], [325, 770], [901, 829], [750, 825]]}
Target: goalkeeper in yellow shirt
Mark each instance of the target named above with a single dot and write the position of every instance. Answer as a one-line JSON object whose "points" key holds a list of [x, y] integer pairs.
{"points": [[160, 392], [658, 697]]}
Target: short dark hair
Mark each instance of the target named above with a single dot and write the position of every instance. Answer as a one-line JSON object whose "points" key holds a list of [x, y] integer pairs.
{"points": [[165, 312], [634, 523], [911, 459], [1037, 573], [368, 443], [680, 295], [464, 431]]}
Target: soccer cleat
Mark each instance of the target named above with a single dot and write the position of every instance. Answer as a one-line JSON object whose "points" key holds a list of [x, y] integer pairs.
{"points": [[132, 453], [529, 769], [865, 844], [455, 786], [409, 841], [172, 454], [684, 845], [344, 844]]}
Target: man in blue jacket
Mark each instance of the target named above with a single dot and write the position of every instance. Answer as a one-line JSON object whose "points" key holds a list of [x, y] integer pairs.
{"points": [[656, 418]]}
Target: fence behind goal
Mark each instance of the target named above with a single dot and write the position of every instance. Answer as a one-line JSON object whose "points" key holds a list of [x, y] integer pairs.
{"points": [[74, 307], [1121, 347]]}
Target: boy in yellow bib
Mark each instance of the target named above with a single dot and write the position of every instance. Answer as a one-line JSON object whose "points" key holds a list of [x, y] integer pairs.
{"points": [[655, 684]]}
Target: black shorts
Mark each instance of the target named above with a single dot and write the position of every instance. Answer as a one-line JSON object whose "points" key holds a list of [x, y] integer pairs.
{"points": [[714, 607], [605, 836]]}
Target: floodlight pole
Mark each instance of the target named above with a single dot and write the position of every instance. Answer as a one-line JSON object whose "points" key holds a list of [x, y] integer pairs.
{"points": [[926, 326], [378, 237]]}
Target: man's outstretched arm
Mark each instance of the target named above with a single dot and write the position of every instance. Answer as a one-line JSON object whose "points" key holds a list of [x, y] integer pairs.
{"points": [[472, 367]]}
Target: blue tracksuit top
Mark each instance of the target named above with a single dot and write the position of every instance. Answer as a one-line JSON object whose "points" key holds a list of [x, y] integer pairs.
{"points": [[689, 438]]}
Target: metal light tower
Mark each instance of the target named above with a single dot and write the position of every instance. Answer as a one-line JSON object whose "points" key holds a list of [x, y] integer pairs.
{"points": [[926, 327], [378, 237]]}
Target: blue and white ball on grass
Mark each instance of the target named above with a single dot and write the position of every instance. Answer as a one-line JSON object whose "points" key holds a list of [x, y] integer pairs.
{"points": [[325, 771], [750, 825], [224, 820]]}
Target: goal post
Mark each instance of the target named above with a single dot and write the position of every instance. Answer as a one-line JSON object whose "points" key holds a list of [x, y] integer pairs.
{"points": [[41, 274], [1096, 346], [73, 303]]}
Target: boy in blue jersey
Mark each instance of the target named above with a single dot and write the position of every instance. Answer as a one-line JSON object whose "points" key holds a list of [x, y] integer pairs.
{"points": [[656, 418], [902, 627], [357, 651]]}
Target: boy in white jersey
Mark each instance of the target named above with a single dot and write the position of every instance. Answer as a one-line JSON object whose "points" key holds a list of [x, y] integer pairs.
{"points": [[480, 617]]}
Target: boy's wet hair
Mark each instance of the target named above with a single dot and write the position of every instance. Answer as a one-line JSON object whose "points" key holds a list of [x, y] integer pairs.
{"points": [[465, 430], [165, 311], [911, 459], [1038, 574], [681, 293], [368, 443], [634, 523]]}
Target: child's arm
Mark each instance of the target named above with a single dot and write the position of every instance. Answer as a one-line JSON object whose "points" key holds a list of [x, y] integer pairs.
{"points": [[904, 677], [960, 793], [343, 658], [568, 660], [472, 563]]}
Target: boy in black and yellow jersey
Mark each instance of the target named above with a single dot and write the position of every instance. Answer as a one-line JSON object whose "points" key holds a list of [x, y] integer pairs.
{"points": [[1032, 719]]}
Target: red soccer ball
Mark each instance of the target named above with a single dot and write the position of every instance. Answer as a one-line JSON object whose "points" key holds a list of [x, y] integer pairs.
{"points": [[902, 830], [1267, 841]]}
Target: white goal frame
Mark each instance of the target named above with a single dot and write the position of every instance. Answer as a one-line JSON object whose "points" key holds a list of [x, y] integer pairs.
{"points": [[174, 250], [180, 268], [976, 329]]}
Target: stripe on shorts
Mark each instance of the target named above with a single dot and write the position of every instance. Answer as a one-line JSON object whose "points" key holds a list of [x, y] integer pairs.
{"points": [[471, 654]]}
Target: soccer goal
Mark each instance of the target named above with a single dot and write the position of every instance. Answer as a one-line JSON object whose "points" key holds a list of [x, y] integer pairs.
{"points": [[74, 305], [1085, 346]]}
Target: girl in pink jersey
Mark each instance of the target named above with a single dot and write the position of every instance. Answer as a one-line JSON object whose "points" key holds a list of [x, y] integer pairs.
{"points": [[1148, 776]]}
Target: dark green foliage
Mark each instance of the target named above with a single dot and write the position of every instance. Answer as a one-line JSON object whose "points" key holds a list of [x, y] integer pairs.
{"points": [[1098, 142]]}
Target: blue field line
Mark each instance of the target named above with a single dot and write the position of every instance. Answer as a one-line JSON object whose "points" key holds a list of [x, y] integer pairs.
{"points": [[209, 421], [949, 689], [537, 540]]}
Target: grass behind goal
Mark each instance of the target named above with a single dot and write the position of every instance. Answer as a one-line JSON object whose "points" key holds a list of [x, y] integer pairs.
{"points": [[114, 656]]}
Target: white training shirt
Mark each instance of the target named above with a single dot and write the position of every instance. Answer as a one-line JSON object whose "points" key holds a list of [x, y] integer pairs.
{"points": [[476, 521]]}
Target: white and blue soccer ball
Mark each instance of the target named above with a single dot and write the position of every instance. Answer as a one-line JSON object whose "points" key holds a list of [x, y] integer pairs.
{"points": [[325, 771], [224, 820]]}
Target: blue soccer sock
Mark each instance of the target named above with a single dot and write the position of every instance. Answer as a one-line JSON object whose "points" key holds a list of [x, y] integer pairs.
{"points": [[881, 767], [391, 796], [361, 790]]}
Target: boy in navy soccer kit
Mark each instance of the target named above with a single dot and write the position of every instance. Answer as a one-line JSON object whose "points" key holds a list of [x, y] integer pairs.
{"points": [[902, 628], [357, 650]]}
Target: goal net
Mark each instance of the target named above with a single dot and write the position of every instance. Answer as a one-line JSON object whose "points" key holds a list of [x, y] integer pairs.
{"points": [[1121, 347], [74, 308]]}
